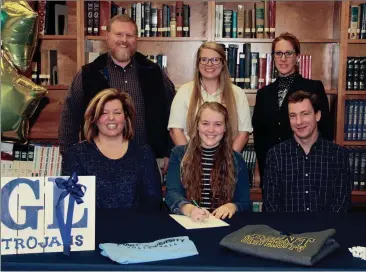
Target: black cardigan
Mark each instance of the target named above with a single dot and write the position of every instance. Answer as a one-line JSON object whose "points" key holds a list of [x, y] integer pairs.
{"points": [[271, 124], [152, 86]]}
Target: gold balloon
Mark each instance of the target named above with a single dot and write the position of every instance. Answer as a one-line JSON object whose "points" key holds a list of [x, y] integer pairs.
{"points": [[19, 99], [19, 32]]}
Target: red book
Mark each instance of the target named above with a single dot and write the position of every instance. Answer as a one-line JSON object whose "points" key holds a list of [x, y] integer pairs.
{"points": [[306, 68], [179, 15], [272, 19], [310, 63], [262, 71], [42, 16], [104, 16]]}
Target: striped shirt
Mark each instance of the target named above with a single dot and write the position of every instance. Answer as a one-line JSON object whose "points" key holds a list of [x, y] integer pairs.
{"points": [[315, 182], [207, 162]]}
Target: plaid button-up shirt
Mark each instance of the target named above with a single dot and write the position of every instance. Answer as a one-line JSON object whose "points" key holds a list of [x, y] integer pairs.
{"points": [[315, 182]]}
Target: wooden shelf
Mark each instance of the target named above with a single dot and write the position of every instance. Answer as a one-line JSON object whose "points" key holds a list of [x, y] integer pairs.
{"points": [[358, 41], [354, 143], [57, 87], [57, 37], [332, 91], [156, 39], [355, 92], [253, 40]]}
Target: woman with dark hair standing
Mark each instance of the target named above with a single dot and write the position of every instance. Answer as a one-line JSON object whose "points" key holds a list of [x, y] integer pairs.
{"points": [[270, 121], [207, 170]]}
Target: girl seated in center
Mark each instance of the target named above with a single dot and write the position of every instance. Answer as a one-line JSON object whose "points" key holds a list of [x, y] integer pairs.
{"points": [[207, 170]]}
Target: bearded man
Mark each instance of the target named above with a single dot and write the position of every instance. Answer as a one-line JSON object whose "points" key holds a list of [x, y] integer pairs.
{"points": [[125, 69]]}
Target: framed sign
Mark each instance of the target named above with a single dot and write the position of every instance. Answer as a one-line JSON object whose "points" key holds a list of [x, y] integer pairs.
{"points": [[36, 211]]}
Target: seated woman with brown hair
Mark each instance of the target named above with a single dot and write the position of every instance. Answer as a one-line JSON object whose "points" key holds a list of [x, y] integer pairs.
{"points": [[207, 170], [126, 174]]}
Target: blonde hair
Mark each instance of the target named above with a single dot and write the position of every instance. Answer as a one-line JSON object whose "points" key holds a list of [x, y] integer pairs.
{"points": [[223, 175], [227, 95], [96, 107]]}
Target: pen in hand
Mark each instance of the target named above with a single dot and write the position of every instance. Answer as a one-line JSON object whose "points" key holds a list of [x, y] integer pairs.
{"points": [[199, 215], [195, 203]]}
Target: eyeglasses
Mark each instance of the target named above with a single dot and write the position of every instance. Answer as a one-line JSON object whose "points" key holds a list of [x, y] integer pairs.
{"points": [[205, 61], [288, 54]]}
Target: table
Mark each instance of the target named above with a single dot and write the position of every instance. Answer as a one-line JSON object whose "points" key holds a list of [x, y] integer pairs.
{"points": [[119, 226]]}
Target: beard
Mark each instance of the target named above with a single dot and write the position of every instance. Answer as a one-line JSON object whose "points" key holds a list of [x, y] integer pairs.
{"points": [[121, 55]]}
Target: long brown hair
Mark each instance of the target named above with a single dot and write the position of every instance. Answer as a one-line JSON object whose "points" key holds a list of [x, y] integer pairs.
{"points": [[223, 176], [95, 110], [227, 95]]}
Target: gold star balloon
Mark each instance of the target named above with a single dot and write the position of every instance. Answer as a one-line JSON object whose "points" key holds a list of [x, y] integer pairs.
{"points": [[20, 97], [19, 32]]}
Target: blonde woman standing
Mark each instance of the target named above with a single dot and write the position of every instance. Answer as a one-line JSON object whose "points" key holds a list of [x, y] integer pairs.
{"points": [[212, 83]]}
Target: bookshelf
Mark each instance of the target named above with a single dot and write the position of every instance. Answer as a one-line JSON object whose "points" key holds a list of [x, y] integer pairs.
{"points": [[329, 45]]}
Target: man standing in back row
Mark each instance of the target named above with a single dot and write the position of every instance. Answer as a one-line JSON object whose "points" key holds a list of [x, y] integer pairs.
{"points": [[127, 70], [306, 173]]}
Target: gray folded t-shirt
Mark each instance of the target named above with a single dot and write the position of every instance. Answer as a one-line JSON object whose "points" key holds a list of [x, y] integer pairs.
{"points": [[266, 242]]}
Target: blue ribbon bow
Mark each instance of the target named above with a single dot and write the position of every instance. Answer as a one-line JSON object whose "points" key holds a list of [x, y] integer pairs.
{"points": [[76, 192]]}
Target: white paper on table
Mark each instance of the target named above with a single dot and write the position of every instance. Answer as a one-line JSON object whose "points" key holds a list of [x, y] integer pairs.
{"points": [[188, 223]]}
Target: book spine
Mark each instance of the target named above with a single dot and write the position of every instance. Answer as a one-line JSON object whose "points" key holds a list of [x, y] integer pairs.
{"points": [[234, 33], [268, 68], [262, 70], [259, 19], [362, 73], [356, 73], [96, 8], [179, 16], [228, 14], [266, 19], [240, 21], [240, 79], [157, 22], [254, 70], [165, 21], [138, 18], [272, 19], [105, 15], [253, 29], [42, 16], [349, 77], [247, 69], [247, 23], [363, 21], [354, 21], [147, 6], [173, 22]]}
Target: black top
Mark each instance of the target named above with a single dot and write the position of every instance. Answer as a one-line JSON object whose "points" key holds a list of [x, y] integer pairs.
{"points": [[315, 182], [132, 181], [271, 123]]}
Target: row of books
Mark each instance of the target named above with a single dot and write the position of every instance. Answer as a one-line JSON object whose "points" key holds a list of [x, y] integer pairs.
{"points": [[254, 70], [246, 23], [355, 74], [152, 20], [30, 160], [357, 159], [355, 120], [52, 16], [357, 24]]}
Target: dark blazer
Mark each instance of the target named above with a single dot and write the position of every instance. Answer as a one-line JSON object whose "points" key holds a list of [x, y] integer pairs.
{"points": [[271, 124]]}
